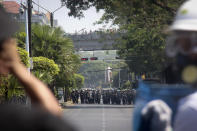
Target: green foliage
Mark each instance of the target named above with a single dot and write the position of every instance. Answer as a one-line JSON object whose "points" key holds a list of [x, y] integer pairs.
{"points": [[9, 84], [142, 22], [143, 43], [14, 87], [44, 76], [45, 69], [124, 76], [94, 72], [54, 63], [10, 87], [44, 64], [51, 43], [144, 49], [79, 80], [127, 85], [21, 37], [24, 56], [125, 10], [77, 7]]}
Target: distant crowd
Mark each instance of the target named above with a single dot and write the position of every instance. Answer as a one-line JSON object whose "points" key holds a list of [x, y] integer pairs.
{"points": [[89, 96]]}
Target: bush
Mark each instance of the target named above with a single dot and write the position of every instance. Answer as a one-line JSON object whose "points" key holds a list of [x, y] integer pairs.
{"points": [[9, 85], [45, 69], [45, 65], [24, 56]]}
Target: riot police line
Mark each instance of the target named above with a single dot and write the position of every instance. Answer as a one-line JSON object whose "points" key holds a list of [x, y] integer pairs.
{"points": [[91, 96]]}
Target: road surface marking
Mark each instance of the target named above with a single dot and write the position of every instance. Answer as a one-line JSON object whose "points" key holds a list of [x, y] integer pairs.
{"points": [[103, 120]]}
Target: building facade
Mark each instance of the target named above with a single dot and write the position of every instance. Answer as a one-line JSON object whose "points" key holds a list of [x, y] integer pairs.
{"points": [[14, 9]]}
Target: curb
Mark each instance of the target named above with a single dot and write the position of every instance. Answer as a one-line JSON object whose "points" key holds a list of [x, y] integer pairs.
{"points": [[65, 104]]}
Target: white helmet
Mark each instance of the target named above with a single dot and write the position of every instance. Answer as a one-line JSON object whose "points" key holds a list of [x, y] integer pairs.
{"points": [[184, 26], [186, 18]]}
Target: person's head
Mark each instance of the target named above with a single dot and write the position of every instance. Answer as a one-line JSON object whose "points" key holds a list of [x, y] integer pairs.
{"points": [[8, 25], [183, 38], [8, 28], [182, 42]]}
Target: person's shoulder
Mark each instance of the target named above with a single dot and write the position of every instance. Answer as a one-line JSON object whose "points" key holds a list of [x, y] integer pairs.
{"points": [[189, 102], [186, 116]]}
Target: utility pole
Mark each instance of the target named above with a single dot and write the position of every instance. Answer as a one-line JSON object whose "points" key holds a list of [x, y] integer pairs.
{"points": [[24, 10], [119, 77], [29, 40], [38, 6], [51, 18], [105, 75], [29, 8], [51, 13]]}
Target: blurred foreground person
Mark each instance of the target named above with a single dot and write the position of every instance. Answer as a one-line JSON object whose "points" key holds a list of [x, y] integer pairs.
{"points": [[45, 114], [156, 116], [182, 45]]}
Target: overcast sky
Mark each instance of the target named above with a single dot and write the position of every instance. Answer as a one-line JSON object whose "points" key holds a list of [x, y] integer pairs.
{"points": [[70, 24]]}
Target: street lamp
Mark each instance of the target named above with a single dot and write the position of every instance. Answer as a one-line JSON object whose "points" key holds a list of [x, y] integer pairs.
{"points": [[51, 13], [27, 9], [24, 9]]}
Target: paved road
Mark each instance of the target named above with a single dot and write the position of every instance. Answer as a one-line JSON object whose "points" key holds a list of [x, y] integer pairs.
{"points": [[100, 117]]}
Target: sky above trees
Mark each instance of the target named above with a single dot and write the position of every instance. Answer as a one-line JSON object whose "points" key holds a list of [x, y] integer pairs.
{"points": [[71, 24]]}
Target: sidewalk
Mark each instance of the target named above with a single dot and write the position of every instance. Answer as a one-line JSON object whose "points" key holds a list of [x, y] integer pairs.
{"points": [[65, 104]]}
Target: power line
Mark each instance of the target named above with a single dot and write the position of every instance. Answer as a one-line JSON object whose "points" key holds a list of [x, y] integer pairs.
{"points": [[41, 6], [51, 12], [58, 9], [47, 9]]}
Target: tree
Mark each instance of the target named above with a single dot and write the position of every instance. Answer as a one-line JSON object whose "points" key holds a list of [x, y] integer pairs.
{"points": [[115, 8], [144, 41], [44, 64], [24, 56], [127, 85], [52, 44], [77, 7], [144, 50], [56, 46], [124, 76], [142, 24], [79, 80], [45, 69], [21, 38], [94, 72]]}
